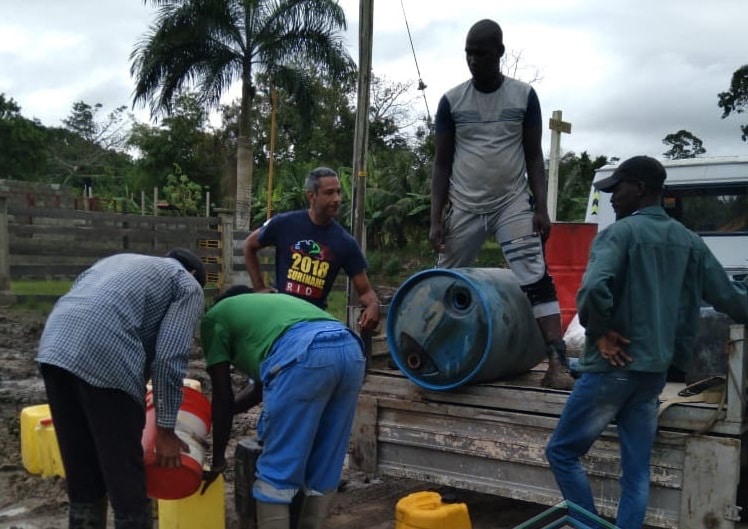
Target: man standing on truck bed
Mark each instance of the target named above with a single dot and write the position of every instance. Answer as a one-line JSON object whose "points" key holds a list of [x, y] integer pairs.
{"points": [[487, 138], [639, 303], [311, 248]]}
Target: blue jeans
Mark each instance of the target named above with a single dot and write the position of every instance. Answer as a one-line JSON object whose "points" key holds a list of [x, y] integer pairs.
{"points": [[631, 399]]}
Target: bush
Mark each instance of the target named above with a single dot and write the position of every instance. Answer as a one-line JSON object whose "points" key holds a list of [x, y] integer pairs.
{"points": [[392, 267], [375, 261]]}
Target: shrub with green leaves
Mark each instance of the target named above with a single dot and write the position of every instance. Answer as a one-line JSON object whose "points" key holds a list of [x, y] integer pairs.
{"points": [[392, 267]]}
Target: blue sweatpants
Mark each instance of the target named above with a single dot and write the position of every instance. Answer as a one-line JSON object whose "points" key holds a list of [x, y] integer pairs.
{"points": [[311, 381]]}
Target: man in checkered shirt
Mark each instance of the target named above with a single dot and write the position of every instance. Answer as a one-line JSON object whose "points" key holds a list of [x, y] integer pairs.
{"points": [[126, 319]]}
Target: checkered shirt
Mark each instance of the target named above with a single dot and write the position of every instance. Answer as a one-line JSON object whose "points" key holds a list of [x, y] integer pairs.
{"points": [[126, 319]]}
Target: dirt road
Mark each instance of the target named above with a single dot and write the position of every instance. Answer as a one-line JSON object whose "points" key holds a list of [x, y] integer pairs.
{"points": [[32, 502]]}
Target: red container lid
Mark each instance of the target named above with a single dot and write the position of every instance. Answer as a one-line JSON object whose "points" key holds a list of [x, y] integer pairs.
{"points": [[173, 483]]}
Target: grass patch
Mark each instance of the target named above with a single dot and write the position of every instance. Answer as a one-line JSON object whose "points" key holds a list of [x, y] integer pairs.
{"points": [[337, 304], [40, 288], [393, 267], [31, 305], [38, 297], [490, 256]]}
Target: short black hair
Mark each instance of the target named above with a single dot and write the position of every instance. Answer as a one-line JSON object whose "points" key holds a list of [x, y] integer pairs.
{"points": [[235, 290], [190, 261], [312, 179], [488, 28]]}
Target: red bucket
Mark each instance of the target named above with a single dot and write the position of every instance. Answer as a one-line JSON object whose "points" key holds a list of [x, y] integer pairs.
{"points": [[193, 424]]}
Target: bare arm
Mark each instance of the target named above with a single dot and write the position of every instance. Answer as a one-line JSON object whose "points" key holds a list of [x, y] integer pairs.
{"points": [[444, 144], [368, 298], [531, 138], [222, 407], [250, 249]]}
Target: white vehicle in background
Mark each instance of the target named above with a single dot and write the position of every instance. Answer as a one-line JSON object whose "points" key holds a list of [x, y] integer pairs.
{"points": [[708, 195]]}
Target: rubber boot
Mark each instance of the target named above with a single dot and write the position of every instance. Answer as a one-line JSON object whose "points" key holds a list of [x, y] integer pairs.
{"points": [[87, 515], [142, 520], [273, 515], [314, 510], [557, 376]]}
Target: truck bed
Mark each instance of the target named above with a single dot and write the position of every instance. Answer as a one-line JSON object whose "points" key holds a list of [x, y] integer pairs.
{"points": [[491, 438]]}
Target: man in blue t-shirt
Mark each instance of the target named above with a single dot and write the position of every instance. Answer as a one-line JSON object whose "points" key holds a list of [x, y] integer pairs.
{"points": [[311, 248]]}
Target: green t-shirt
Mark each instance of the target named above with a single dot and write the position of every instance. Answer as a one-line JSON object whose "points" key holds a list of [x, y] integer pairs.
{"points": [[242, 329]]}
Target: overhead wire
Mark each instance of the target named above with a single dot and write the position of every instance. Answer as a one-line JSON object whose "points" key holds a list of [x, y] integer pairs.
{"points": [[421, 84]]}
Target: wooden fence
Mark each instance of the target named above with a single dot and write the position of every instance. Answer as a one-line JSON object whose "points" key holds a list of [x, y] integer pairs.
{"points": [[48, 243], [59, 243]]}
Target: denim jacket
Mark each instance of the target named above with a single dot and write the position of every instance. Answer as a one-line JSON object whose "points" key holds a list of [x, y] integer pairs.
{"points": [[646, 278]]}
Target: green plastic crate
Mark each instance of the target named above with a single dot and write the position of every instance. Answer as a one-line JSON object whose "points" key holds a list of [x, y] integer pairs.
{"points": [[566, 515]]}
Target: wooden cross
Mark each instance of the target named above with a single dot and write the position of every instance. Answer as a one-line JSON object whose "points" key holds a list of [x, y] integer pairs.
{"points": [[557, 127]]}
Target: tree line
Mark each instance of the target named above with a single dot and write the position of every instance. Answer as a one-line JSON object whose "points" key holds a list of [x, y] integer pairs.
{"points": [[184, 156], [294, 72]]}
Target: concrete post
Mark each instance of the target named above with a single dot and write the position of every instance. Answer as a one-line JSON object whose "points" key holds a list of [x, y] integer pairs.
{"points": [[227, 248], [6, 296]]}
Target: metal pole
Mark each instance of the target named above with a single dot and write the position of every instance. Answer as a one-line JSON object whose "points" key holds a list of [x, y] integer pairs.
{"points": [[271, 159], [361, 132]]}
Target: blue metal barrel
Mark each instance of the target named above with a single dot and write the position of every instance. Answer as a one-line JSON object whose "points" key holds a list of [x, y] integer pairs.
{"points": [[450, 327]]}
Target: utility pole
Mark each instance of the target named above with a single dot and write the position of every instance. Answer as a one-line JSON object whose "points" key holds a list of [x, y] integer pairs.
{"points": [[271, 158], [557, 126], [361, 133]]}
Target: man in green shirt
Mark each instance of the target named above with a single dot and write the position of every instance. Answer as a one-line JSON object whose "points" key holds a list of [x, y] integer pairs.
{"points": [[307, 369], [639, 303]]}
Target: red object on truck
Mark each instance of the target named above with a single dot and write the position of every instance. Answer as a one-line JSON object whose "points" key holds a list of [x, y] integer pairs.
{"points": [[566, 254]]}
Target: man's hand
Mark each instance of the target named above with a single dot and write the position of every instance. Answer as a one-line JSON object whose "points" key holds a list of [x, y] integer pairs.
{"points": [[611, 346], [169, 448], [369, 317], [436, 236], [541, 224], [209, 476]]}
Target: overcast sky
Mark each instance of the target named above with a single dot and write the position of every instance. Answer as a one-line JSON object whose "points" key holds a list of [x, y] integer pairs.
{"points": [[624, 73]]}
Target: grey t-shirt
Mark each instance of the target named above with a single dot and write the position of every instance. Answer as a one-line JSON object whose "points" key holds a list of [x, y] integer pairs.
{"points": [[489, 159]]}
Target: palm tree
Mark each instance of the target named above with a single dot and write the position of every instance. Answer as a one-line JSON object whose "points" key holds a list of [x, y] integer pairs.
{"points": [[210, 44]]}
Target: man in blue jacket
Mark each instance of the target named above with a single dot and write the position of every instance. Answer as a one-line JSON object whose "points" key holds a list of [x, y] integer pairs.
{"points": [[639, 303]]}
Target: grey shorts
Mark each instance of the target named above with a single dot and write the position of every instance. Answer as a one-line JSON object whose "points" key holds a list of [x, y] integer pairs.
{"points": [[510, 225]]}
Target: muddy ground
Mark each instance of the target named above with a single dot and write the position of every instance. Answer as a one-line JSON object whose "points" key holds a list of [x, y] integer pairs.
{"points": [[32, 502]]}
